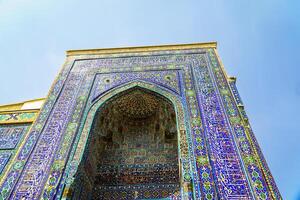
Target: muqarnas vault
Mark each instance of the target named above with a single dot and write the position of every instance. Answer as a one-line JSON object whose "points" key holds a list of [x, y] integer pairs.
{"points": [[158, 122]]}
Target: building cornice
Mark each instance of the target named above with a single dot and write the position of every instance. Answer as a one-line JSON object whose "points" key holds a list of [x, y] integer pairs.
{"points": [[34, 105], [141, 49]]}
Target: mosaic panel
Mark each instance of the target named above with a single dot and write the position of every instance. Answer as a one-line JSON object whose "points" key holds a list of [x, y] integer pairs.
{"points": [[202, 172], [168, 79], [253, 163], [235, 93], [10, 140], [232, 183], [151, 192], [4, 158], [274, 189], [16, 117], [18, 163], [10, 136]]}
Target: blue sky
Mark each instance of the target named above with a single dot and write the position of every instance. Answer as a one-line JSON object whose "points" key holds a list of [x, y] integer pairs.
{"points": [[258, 42]]}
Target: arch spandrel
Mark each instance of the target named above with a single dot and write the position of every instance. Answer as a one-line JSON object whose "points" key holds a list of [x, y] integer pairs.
{"points": [[166, 78]]}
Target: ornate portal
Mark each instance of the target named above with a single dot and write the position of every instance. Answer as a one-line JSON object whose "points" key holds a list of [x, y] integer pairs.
{"points": [[161, 122]]}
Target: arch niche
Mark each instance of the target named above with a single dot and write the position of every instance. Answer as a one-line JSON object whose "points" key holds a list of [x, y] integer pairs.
{"points": [[130, 147]]}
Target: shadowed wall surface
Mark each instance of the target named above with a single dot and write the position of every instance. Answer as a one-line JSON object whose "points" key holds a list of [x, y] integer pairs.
{"points": [[133, 151]]}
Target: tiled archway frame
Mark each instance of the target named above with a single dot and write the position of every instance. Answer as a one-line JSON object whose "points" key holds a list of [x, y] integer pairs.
{"points": [[57, 124], [37, 169], [176, 100], [204, 183]]}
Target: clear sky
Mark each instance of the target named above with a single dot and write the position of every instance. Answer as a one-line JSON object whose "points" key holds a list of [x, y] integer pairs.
{"points": [[258, 42]]}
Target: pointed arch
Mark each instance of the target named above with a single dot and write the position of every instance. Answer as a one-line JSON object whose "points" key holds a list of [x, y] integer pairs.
{"points": [[80, 146]]}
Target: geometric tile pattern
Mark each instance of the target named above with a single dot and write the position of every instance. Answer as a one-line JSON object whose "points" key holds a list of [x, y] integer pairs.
{"points": [[137, 160], [10, 136], [220, 155], [235, 93], [4, 158], [17, 117], [108, 81]]}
